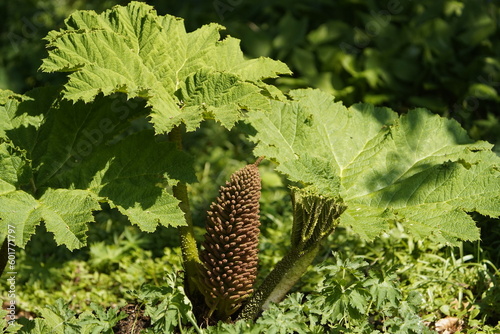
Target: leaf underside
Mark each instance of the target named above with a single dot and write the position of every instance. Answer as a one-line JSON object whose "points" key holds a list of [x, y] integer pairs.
{"points": [[60, 160], [418, 169]]}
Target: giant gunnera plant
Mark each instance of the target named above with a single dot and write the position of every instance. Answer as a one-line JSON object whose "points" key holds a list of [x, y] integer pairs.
{"points": [[65, 151]]}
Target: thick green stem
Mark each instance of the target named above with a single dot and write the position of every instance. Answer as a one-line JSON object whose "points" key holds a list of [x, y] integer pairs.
{"points": [[189, 248], [190, 256], [274, 288], [4, 254]]}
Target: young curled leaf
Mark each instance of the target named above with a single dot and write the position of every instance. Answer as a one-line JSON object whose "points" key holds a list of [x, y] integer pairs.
{"points": [[314, 217]]}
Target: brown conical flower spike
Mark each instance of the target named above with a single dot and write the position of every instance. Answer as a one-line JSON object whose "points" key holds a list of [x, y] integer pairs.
{"points": [[231, 242]]}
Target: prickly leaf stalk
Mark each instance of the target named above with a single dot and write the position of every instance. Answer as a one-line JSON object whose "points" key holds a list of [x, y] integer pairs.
{"points": [[314, 218], [230, 250]]}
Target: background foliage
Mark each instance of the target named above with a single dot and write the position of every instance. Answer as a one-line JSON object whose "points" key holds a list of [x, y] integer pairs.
{"points": [[438, 54]]}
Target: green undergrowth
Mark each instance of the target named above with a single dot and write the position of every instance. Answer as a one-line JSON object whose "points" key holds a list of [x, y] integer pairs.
{"points": [[392, 285], [119, 257]]}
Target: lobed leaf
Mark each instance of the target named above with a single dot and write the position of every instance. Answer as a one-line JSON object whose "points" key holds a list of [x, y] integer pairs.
{"points": [[66, 214], [183, 76], [419, 169], [60, 160]]}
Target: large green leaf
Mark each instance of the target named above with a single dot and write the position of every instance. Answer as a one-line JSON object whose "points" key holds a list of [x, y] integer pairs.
{"points": [[185, 77], [419, 169], [59, 160], [66, 214]]}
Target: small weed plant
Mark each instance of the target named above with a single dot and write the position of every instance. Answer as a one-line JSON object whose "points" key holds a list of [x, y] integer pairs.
{"points": [[114, 137]]}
